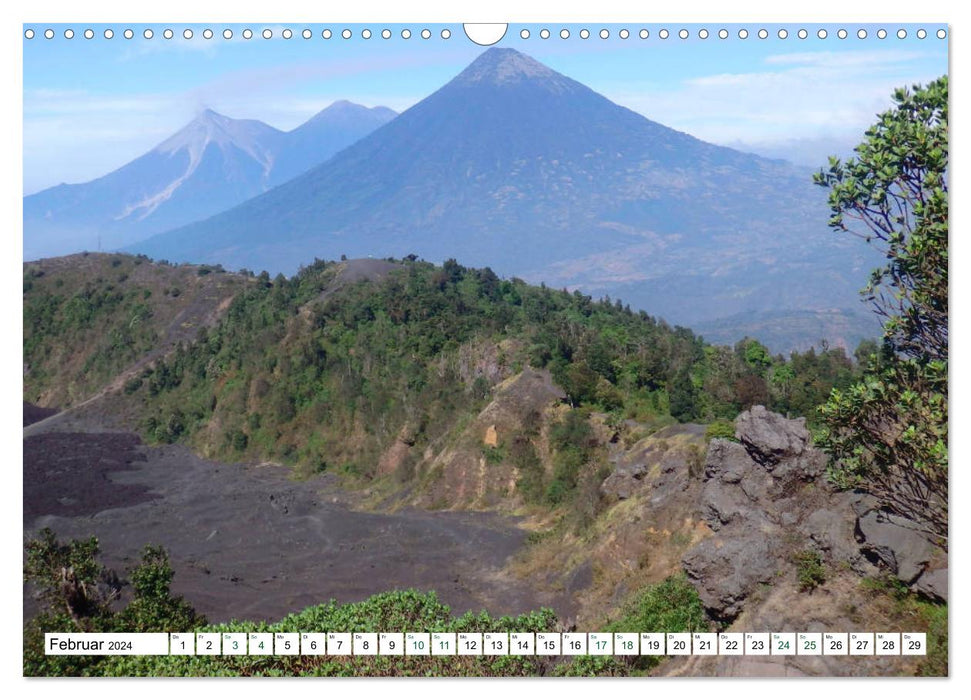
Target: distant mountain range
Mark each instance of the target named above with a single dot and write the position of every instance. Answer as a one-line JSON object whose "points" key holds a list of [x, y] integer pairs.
{"points": [[788, 330], [518, 167], [510, 165], [212, 164]]}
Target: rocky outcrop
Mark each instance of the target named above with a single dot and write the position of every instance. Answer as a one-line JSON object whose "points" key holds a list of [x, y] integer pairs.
{"points": [[933, 584], [726, 571], [628, 475], [898, 545], [895, 543], [766, 498], [782, 445]]}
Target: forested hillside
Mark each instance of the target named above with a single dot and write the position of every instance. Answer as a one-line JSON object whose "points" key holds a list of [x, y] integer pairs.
{"points": [[325, 370], [91, 316]]}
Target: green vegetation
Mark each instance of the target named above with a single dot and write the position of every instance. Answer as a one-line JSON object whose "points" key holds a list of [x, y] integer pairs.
{"points": [[397, 611], [331, 374], [721, 429], [312, 371], [579, 467], [809, 569], [103, 314], [89, 317], [82, 604], [889, 430], [78, 593], [746, 375], [524, 458], [672, 605], [573, 443]]}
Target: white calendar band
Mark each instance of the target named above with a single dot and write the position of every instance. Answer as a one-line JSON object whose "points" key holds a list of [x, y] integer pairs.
{"points": [[488, 644]]}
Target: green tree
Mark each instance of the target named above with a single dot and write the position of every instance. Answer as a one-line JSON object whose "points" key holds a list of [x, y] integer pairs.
{"points": [[755, 354], [78, 595], [69, 580], [153, 608], [684, 397], [889, 431], [896, 188]]}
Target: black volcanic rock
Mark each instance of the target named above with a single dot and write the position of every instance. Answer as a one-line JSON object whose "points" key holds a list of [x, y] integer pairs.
{"points": [[515, 166]]}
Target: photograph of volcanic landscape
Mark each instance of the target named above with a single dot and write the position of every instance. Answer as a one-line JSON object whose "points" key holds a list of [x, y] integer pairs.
{"points": [[471, 343]]}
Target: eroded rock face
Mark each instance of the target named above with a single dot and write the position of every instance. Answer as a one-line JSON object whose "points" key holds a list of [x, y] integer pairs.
{"points": [[462, 477], [654, 463], [726, 572], [896, 543], [764, 499]]}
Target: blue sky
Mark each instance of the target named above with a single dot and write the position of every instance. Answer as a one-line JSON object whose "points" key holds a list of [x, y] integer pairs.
{"points": [[91, 105]]}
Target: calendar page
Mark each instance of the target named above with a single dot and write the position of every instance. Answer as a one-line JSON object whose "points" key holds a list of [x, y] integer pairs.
{"points": [[525, 349]]}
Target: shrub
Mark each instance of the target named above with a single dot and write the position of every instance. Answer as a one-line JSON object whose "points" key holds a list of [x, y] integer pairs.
{"points": [[723, 429], [809, 569], [77, 593], [530, 478], [672, 605]]}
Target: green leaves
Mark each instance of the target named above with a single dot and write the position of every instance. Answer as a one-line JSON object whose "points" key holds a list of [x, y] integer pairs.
{"points": [[894, 194], [78, 592], [671, 605], [888, 432]]}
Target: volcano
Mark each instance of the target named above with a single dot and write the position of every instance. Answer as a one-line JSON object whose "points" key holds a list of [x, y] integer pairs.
{"points": [[515, 166]]}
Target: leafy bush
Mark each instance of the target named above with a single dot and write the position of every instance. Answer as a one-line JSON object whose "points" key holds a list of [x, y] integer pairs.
{"points": [[672, 605], [529, 467], [809, 569], [723, 429], [889, 432], [78, 592], [397, 611], [494, 455], [683, 397], [573, 442]]}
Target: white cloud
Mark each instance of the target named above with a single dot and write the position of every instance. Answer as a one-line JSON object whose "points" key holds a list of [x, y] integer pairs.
{"points": [[810, 152], [845, 59], [797, 96]]}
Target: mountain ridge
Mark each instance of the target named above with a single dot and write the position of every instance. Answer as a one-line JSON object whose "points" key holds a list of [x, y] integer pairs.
{"points": [[513, 165], [212, 163]]}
